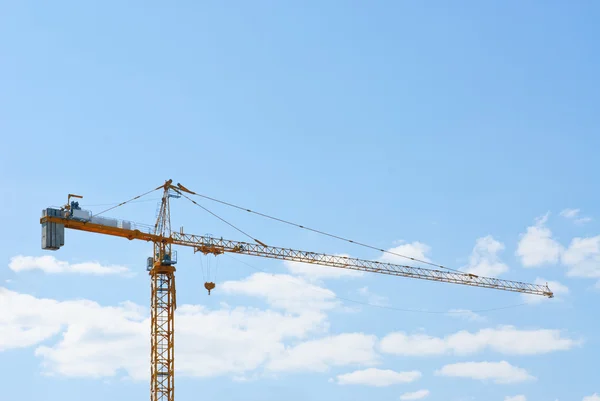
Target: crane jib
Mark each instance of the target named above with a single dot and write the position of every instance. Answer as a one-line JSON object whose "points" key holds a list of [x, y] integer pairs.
{"points": [[212, 245], [218, 245]]}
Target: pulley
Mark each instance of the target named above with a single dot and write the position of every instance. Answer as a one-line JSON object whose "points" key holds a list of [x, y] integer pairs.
{"points": [[209, 286]]}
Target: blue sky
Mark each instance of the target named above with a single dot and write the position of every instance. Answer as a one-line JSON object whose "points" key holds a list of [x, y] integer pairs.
{"points": [[465, 134]]}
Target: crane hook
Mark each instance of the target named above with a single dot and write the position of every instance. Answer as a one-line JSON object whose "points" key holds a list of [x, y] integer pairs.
{"points": [[209, 286]]}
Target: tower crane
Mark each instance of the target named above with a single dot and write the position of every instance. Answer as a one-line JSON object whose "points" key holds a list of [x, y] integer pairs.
{"points": [[161, 267]]}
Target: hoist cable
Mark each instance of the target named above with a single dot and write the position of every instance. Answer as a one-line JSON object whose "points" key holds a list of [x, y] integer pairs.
{"points": [[127, 201], [320, 232], [216, 268], [202, 269], [222, 219], [117, 203]]}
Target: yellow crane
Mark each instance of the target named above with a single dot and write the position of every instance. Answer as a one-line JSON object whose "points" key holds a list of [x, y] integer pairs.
{"points": [[161, 267]]}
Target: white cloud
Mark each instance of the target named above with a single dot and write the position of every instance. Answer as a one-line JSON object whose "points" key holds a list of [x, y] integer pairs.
{"points": [[399, 343], [569, 213], [516, 398], [573, 214], [373, 299], [378, 377], [414, 250], [537, 247], [238, 340], [83, 338], [113, 336], [484, 259], [318, 355], [22, 325], [557, 288], [315, 272], [51, 265], [583, 257], [505, 340], [209, 343], [499, 372], [593, 397], [283, 291], [416, 395], [466, 314]]}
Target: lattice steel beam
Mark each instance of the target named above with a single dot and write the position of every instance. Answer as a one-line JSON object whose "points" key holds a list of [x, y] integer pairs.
{"points": [[162, 386]]}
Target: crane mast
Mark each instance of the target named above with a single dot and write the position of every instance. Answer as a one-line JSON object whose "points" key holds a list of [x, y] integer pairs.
{"points": [[163, 305], [161, 268]]}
